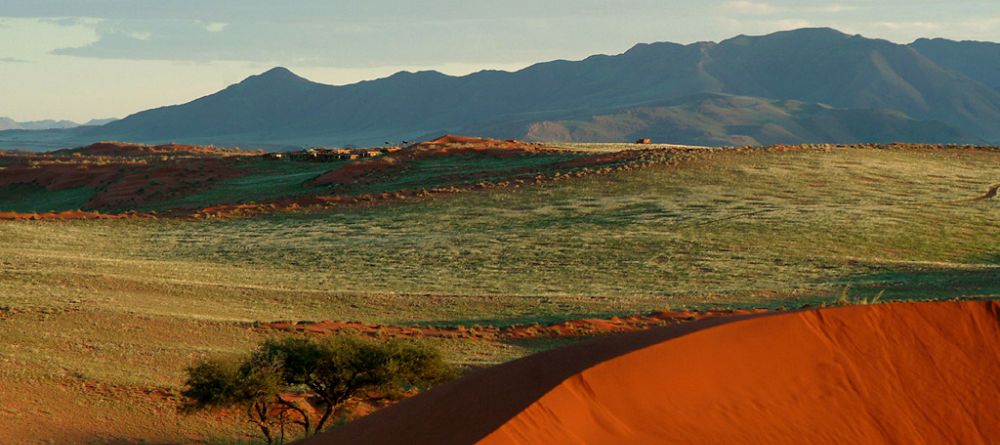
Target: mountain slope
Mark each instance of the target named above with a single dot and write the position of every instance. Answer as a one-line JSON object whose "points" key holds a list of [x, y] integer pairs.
{"points": [[979, 61], [846, 78], [733, 120], [264, 101], [826, 66]]}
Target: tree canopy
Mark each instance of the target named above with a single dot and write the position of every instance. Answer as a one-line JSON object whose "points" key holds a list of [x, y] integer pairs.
{"points": [[299, 382]]}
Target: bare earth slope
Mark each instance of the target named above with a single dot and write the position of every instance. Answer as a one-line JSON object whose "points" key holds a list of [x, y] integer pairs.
{"points": [[898, 373]]}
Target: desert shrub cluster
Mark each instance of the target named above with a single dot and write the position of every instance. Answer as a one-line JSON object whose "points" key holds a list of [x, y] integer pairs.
{"points": [[292, 387]]}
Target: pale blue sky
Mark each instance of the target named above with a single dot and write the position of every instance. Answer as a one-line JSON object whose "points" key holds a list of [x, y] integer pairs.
{"points": [[83, 59]]}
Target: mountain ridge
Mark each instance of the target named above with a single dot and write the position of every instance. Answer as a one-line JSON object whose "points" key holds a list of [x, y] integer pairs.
{"points": [[897, 85]]}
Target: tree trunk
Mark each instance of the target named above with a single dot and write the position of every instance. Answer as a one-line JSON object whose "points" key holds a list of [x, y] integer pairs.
{"points": [[306, 421], [258, 415], [326, 416]]}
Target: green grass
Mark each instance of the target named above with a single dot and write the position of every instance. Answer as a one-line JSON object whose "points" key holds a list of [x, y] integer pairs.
{"points": [[268, 180], [733, 229], [29, 198], [132, 302], [426, 173]]}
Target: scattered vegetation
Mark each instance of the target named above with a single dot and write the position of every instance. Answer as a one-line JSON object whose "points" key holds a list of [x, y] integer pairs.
{"points": [[300, 382], [845, 299], [115, 311], [189, 181]]}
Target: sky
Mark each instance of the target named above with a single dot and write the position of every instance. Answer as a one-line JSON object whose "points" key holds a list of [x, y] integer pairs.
{"points": [[85, 59]]}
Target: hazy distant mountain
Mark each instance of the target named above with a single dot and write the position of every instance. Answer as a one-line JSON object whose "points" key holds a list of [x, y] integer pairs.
{"points": [[98, 122], [806, 85], [7, 123]]}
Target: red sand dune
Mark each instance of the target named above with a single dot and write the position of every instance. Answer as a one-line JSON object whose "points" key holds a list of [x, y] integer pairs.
{"points": [[894, 373], [571, 328]]}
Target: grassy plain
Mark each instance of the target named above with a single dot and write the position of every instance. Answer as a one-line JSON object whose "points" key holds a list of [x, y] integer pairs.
{"points": [[98, 319]]}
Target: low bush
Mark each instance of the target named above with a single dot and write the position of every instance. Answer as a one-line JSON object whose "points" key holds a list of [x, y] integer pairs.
{"points": [[293, 386]]}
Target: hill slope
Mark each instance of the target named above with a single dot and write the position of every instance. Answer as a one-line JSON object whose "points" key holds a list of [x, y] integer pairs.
{"points": [[733, 120], [979, 61], [852, 74], [715, 229]]}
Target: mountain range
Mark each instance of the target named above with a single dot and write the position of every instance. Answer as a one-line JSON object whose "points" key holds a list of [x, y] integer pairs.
{"points": [[801, 86], [7, 123]]}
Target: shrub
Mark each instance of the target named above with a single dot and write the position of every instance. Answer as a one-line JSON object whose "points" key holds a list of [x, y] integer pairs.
{"points": [[301, 381], [252, 385]]}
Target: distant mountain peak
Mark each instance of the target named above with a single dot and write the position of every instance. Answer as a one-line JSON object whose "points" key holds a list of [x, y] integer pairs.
{"points": [[274, 75], [818, 31], [423, 74], [798, 35], [7, 123], [641, 49], [776, 77], [278, 71]]}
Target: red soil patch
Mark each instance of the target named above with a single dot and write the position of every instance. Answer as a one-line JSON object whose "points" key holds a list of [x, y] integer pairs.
{"points": [[358, 172], [571, 328], [111, 148], [127, 176], [369, 170], [453, 139], [366, 171], [167, 180], [120, 183], [450, 139], [451, 144], [893, 373], [64, 216], [56, 175]]}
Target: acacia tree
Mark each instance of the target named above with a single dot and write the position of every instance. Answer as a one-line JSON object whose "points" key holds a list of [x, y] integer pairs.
{"points": [[338, 368], [252, 385], [311, 379]]}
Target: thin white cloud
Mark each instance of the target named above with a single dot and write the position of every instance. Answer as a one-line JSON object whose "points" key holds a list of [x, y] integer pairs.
{"points": [[748, 7], [13, 60], [370, 33], [757, 8], [909, 26], [71, 21], [983, 26], [216, 26], [836, 7], [787, 24], [343, 44], [764, 25], [188, 52]]}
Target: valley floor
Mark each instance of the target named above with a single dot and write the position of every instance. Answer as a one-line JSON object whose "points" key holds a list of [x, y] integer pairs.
{"points": [[99, 319]]}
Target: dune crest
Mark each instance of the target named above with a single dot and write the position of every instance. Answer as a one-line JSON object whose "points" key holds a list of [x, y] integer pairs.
{"points": [[893, 373]]}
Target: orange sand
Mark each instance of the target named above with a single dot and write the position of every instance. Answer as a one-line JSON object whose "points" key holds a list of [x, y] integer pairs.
{"points": [[571, 328], [895, 373], [450, 139], [67, 215]]}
